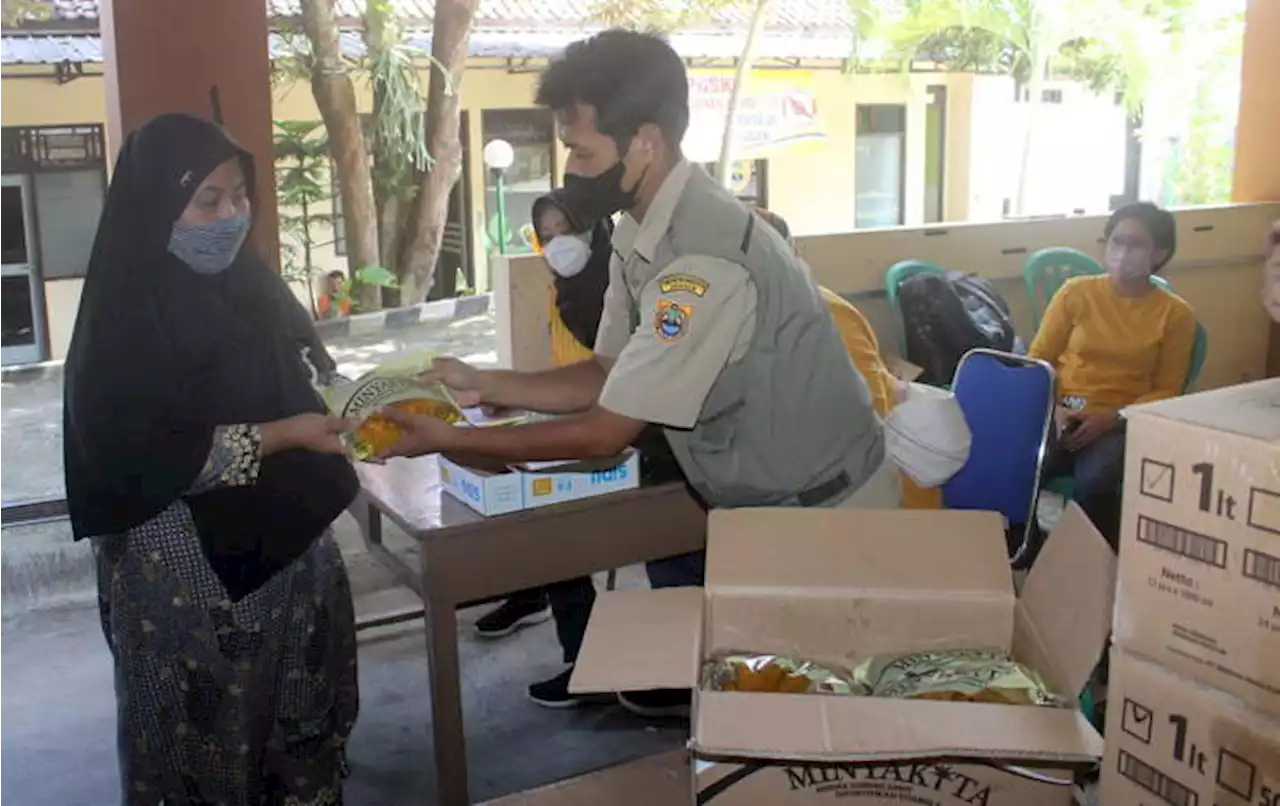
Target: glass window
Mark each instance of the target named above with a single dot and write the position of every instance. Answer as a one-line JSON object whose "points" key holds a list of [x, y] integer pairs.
{"points": [[879, 165], [68, 206], [17, 317], [531, 133], [14, 243]]}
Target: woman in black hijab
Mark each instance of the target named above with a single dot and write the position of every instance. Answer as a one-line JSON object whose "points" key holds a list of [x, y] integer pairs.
{"points": [[206, 469]]}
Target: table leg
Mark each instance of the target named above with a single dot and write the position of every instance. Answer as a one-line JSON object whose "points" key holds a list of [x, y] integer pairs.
{"points": [[373, 525], [448, 737]]}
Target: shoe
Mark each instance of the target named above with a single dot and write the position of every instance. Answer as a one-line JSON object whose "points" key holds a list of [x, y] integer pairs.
{"points": [[512, 615], [658, 704], [554, 693]]}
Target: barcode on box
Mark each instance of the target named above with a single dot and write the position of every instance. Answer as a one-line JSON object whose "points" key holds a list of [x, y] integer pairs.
{"points": [[1262, 566], [1156, 782], [1183, 542]]}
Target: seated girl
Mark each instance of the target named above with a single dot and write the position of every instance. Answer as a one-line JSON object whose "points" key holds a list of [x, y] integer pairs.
{"points": [[1114, 340]]}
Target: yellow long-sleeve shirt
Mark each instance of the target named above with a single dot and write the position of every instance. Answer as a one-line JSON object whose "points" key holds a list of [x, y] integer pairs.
{"points": [[1112, 351], [860, 340]]}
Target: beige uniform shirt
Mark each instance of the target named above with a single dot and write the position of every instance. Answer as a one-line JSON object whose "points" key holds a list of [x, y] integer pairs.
{"points": [[670, 336]]}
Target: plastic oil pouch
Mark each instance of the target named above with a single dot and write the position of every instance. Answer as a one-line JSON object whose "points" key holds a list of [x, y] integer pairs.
{"points": [[967, 675], [773, 674], [391, 385]]}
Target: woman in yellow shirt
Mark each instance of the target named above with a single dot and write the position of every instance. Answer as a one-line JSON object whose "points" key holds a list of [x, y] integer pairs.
{"points": [[1115, 340]]}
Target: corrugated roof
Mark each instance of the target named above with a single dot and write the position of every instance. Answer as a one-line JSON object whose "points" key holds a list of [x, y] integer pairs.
{"points": [[794, 15], [50, 49], [503, 44]]}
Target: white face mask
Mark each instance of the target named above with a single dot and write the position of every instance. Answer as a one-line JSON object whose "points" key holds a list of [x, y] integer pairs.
{"points": [[1128, 263], [567, 255]]}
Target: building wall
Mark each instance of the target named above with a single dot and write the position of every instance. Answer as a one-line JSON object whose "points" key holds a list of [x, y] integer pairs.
{"points": [[811, 183]]}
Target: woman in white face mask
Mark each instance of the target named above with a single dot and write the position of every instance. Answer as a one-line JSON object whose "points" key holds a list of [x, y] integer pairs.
{"points": [[577, 252], [1115, 340]]}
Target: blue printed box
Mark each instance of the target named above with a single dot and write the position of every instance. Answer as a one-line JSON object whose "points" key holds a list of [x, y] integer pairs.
{"points": [[511, 489]]}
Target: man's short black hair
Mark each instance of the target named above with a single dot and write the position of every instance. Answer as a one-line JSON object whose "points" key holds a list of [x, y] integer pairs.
{"points": [[630, 79], [1159, 224], [336, 274]]}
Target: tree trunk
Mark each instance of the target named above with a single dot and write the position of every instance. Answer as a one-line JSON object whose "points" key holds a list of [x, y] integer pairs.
{"points": [[336, 98], [449, 37], [1035, 89], [388, 206], [724, 168]]}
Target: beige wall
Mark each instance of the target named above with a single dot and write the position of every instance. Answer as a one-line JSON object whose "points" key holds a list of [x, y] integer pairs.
{"points": [[1218, 269], [812, 185]]}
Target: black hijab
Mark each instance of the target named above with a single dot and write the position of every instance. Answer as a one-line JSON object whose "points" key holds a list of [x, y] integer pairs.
{"points": [[580, 299], [162, 355]]}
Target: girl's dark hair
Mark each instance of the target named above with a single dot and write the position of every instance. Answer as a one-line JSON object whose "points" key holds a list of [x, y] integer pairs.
{"points": [[1159, 224]]}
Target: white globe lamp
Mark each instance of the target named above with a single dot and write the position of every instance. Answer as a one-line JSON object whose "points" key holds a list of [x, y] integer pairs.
{"points": [[499, 156]]}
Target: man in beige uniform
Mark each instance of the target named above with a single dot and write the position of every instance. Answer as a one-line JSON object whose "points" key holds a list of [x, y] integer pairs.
{"points": [[711, 327]]}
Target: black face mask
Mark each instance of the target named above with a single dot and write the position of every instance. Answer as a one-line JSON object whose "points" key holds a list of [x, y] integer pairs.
{"points": [[592, 198]]}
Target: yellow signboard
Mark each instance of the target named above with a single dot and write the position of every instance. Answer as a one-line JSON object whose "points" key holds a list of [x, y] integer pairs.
{"points": [[778, 113]]}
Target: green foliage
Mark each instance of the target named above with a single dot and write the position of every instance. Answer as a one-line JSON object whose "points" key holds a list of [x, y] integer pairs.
{"points": [[15, 12], [1206, 50], [1110, 45], [302, 186]]}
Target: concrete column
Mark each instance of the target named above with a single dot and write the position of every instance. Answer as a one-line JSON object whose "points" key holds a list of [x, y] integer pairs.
{"points": [[170, 56], [1257, 169]]}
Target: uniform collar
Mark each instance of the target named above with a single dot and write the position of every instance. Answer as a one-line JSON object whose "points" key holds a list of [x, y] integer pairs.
{"points": [[642, 237]]}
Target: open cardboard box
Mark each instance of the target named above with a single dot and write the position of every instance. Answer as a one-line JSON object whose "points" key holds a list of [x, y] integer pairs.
{"points": [[838, 585]]}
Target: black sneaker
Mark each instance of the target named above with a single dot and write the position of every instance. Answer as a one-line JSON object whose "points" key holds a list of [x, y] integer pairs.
{"points": [[512, 615], [554, 693], [658, 704]]}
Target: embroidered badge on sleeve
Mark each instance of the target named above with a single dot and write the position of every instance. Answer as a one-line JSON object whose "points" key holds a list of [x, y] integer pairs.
{"points": [[687, 283], [671, 319]]}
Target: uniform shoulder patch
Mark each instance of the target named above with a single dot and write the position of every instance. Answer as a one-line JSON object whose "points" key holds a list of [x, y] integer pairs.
{"points": [[671, 319], [687, 283]]}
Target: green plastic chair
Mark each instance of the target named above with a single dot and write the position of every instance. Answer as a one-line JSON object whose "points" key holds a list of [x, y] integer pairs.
{"points": [[1046, 271], [894, 276]]}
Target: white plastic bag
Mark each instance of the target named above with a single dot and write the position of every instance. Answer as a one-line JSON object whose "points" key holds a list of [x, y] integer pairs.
{"points": [[926, 435]]}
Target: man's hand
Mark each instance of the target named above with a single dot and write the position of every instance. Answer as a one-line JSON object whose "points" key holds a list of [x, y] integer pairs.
{"points": [[465, 382], [422, 434], [1090, 425]]}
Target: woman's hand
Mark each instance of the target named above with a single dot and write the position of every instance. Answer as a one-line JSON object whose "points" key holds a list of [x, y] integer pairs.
{"points": [[319, 433], [465, 382], [1089, 426], [422, 434]]}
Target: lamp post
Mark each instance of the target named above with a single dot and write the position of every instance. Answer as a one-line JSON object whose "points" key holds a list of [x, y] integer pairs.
{"points": [[498, 157]]}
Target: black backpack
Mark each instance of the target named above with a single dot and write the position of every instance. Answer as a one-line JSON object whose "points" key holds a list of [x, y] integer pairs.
{"points": [[945, 316]]}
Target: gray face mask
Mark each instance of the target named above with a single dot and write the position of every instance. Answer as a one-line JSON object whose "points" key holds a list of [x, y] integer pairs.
{"points": [[209, 248]]}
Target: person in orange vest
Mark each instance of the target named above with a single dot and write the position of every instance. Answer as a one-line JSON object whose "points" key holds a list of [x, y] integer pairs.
{"points": [[334, 302]]}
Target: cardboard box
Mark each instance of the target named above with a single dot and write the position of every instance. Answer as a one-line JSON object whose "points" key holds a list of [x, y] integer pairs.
{"points": [[1199, 586], [839, 585], [653, 781], [1174, 741], [498, 489]]}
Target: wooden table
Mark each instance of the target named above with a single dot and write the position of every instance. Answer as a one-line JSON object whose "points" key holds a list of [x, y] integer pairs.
{"points": [[466, 557]]}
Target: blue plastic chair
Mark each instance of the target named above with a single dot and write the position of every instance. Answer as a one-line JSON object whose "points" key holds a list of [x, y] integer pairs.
{"points": [[893, 279], [1008, 403]]}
